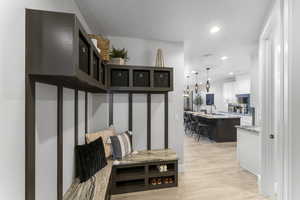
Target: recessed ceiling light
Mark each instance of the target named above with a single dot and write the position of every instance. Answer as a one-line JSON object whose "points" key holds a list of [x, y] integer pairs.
{"points": [[224, 58], [231, 73], [215, 29]]}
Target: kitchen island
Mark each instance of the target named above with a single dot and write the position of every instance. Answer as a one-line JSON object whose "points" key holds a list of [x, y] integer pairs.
{"points": [[248, 148], [221, 127]]}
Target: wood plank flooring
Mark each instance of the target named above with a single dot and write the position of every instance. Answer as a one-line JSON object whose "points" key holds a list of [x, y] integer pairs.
{"points": [[211, 173]]}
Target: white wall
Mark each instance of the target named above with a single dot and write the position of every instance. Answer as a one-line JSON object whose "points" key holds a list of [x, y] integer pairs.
{"points": [[255, 87], [143, 52], [294, 97], [12, 102]]}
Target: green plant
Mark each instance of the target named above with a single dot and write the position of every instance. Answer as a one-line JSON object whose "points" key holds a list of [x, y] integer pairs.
{"points": [[119, 53]]}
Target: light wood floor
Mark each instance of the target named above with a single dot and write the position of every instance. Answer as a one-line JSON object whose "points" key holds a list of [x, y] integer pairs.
{"points": [[211, 173]]}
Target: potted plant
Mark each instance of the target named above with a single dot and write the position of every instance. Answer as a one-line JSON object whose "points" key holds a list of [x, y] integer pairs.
{"points": [[118, 56], [198, 101]]}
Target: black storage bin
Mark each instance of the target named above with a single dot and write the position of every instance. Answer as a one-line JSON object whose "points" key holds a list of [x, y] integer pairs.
{"points": [[119, 78], [84, 54], [161, 79], [96, 67], [141, 78]]}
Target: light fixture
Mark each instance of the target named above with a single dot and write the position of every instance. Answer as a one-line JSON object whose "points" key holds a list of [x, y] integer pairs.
{"points": [[215, 29], [208, 80], [231, 73], [196, 85], [187, 91], [224, 58]]}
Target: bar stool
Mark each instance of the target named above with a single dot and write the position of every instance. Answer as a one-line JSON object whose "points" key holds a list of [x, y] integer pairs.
{"points": [[201, 129]]}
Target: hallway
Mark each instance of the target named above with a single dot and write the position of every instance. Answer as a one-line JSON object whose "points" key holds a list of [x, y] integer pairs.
{"points": [[211, 173]]}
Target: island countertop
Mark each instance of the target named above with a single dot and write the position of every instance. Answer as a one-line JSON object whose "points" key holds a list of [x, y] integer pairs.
{"points": [[254, 129], [215, 115]]}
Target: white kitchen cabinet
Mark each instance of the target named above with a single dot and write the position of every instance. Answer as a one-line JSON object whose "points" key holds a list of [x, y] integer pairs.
{"points": [[243, 84], [248, 150], [229, 92]]}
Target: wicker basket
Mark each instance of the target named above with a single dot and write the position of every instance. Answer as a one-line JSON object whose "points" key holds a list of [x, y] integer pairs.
{"points": [[103, 44]]}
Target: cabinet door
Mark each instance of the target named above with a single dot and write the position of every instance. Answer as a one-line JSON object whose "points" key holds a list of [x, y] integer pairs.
{"points": [[84, 55], [96, 72], [119, 78], [162, 79], [141, 78]]}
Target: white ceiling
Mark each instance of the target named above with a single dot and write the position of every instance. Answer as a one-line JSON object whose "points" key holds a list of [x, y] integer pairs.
{"points": [[240, 21], [148, 19], [190, 21]]}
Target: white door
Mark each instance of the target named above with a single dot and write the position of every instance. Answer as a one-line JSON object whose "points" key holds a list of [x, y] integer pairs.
{"points": [[271, 103]]}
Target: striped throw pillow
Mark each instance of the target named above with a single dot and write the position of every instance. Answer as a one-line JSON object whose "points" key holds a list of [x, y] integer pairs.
{"points": [[121, 145]]}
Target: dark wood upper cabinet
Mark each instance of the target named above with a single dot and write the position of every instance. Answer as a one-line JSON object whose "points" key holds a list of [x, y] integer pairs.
{"points": [[60, 52], [129, 78]]}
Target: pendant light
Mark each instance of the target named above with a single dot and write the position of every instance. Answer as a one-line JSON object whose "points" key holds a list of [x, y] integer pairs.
{"points": [[196, 85], [207, 81], [187, 91]]}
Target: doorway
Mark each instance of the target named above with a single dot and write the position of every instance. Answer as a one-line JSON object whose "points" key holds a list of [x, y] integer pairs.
{"points": [[271, 66]]}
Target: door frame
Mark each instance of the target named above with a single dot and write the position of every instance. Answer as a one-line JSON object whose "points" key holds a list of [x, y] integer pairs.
{"points": [[283, 10]]}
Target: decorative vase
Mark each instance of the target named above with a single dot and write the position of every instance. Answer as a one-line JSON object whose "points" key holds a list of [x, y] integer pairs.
{"points": [[159, 59], [117, 61]]}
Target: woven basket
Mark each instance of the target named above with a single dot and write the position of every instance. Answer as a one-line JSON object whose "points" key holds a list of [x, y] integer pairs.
{"points": [[103, 45]]}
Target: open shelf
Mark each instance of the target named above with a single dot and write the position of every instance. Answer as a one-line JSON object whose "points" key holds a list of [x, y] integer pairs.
{"points": [[162, 184], [130, 173], [133, 178], [130, 183]]}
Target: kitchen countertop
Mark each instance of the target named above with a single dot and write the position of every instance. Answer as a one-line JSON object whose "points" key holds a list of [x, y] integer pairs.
{"points": [[255, 129], [215, 115]]}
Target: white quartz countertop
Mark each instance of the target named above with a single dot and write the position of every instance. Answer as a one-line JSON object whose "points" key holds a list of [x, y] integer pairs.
{"points": [[255, 129], [215, 115]]}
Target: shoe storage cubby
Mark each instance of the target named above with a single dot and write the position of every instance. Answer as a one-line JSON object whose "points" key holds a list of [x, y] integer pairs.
{"points": [[139, 78], [60, 52], [142, 177]]}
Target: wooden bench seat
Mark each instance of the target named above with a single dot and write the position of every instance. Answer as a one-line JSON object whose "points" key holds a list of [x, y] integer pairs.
{"points": [[96, 188]]}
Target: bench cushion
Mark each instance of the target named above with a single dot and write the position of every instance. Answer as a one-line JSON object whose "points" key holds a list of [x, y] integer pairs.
{"points": [[90, 158], [104, 134]]}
